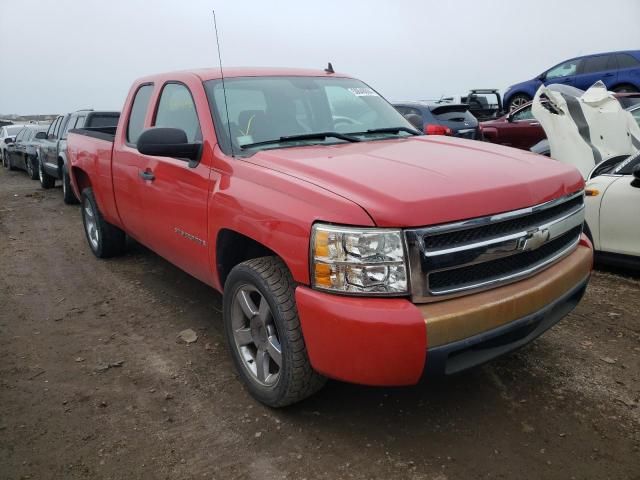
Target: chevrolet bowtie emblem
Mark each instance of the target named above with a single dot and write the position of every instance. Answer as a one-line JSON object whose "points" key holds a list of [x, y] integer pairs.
{"points": [[534, 239]]}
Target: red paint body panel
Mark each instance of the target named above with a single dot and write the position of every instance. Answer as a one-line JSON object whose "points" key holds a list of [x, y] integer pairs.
{"points": [[428, 180], [363, 340]]}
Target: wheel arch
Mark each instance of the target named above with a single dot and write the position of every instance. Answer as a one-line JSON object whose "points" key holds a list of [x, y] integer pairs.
{"points": [[79, 181], [625, 84], [232, 248]]}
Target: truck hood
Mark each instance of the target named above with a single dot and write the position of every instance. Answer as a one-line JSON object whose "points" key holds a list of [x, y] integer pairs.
{"points": [[426, 180]]}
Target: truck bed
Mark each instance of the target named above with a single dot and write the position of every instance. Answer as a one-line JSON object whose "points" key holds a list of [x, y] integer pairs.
{"points": [[89, 152], [102, 133]]}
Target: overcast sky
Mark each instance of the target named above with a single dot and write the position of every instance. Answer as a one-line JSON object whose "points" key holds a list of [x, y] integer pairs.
{"points": [[62, 55]]}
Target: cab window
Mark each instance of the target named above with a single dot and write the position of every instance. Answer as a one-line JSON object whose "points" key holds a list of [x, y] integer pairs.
{"points": [[595, 64], [51, 133], [523, 114], [564, 69], [177, 110], [21, 134], [138, 112]]}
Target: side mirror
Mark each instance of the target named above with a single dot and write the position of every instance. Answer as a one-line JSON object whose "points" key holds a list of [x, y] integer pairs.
{"points": [[169, 142], [636, 177], [510, 117], [542, 77], [8, 140], [41, 135]]}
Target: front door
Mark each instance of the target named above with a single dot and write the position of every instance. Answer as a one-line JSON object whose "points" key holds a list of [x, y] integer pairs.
{"points": [[564, 73], [175, 194], [620, 217]]}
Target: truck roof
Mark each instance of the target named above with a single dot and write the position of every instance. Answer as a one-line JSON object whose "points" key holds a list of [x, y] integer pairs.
{"points": [[230, 72]]}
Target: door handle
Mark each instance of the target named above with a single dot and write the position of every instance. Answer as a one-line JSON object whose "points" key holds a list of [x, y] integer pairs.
{"points": [[147, 175], [608, 75], [534, 124]]}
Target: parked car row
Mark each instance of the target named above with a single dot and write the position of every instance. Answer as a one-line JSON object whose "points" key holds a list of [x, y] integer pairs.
{"points": [[41, 150]]}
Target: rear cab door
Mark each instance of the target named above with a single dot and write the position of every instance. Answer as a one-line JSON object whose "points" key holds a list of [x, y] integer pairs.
{"points": [[597, 67], [127, 162]]}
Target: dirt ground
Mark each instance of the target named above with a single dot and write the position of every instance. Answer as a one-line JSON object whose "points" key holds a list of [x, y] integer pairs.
{"points": [[94, 384]]}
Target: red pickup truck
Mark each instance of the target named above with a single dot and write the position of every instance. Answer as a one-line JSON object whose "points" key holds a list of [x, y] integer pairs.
{"points": [[346, 244]]}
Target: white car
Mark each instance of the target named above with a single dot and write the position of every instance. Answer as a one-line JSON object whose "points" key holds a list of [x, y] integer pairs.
{"points": [[8, 131], [612, 210]]}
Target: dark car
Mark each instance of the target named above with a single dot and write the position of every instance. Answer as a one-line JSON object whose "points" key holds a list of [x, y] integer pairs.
{"points": [[440, 118], [22, 152], [620, 72], [53, 151]]}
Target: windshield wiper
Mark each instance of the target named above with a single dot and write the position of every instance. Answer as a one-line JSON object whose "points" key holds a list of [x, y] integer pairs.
{"points": [[304, 136], [389, 130]]}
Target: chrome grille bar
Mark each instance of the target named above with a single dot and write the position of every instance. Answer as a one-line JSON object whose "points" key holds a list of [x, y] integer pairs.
{"points": [[556, 225]]}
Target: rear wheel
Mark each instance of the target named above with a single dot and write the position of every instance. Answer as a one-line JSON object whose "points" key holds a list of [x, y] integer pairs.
{"points": [[46, 180], [105, 240], [10, 165], [518, 100], [67, 192], [32, 167], [264, 334]]}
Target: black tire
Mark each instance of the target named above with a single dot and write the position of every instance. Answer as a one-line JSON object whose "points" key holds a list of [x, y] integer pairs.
{"points": [[271, 279], [10, 165], [625, 88], [46, 180], [32, 167], [109, 240], [67, 192], [518, 100], [4, 159]]}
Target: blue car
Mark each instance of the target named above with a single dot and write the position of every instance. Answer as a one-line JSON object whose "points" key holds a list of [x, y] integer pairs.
{"points": [[620, 72]]}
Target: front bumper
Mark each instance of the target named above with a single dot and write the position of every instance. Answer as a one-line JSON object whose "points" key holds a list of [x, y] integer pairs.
{"points": [[377, 341]]}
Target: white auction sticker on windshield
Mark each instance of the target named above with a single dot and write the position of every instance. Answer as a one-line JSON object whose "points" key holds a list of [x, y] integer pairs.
{"points": [[363, 92]]}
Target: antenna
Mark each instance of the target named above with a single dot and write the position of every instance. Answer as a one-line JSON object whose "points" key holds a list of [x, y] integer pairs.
{"points": [[224, 90], [329, 68]]}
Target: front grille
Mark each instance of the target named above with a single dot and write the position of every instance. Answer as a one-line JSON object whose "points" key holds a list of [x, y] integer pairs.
{"points": [[462, 257], [488, 271], [505, 227]]}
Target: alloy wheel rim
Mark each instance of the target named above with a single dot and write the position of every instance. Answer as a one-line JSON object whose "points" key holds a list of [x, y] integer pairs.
{"points": [[40, 173], [91, 226], [255, 336], [518, 102], [29, 167]]}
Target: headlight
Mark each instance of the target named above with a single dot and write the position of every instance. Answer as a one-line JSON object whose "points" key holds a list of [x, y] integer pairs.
{"points": [[358, 260]]}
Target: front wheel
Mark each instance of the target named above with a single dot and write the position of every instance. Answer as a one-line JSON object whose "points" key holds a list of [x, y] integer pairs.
{"points": [[105, 240], [518, 101], [264, 334]]}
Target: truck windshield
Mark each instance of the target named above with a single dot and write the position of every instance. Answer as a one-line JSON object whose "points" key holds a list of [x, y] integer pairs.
{"points": [[278, 112]]}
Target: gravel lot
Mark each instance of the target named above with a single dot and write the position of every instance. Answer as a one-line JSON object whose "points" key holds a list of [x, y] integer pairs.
{"points": [[94, 384]]}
